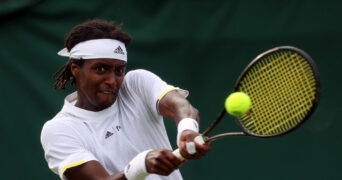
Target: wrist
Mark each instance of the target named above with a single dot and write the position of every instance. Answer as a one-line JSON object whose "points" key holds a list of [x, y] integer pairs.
{"points": [[186, 124], [136, 168]]}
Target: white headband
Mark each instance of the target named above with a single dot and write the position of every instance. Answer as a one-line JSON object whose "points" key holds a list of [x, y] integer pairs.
{"points": [[95, 49]]}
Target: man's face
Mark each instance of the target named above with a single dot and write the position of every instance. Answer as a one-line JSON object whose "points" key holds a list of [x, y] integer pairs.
{"points": [[98, 82]]}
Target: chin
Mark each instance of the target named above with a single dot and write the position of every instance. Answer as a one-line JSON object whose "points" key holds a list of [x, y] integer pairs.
{"points": [[105, 105], [105, 101]]}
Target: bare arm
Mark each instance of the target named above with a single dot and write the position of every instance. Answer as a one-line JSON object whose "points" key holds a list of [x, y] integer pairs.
{"points": [[92, 170], [160, 161], [176, 107]]}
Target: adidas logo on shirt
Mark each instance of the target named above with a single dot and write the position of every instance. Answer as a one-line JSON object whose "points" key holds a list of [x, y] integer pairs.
{"points": [[108, 134], [119, 50]]}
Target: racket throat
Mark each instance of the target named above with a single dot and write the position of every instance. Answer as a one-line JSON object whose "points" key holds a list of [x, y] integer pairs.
{"points": [[212, 138]]}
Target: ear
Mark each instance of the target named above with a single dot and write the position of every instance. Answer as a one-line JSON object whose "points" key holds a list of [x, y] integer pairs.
{"points": [[74, 68]]}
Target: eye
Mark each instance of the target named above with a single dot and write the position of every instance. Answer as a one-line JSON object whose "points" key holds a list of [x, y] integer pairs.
{"points": [[100, 69], [120, 70]]}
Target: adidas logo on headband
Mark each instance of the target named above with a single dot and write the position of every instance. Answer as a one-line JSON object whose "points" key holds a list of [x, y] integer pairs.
{"points": [[119, 50]]}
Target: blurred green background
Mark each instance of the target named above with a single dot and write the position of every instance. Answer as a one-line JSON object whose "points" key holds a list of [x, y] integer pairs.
{"points": [[199, 45]]}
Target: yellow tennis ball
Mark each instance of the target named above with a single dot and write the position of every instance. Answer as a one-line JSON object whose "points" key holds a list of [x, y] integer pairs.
{"points": [[238, 104]]}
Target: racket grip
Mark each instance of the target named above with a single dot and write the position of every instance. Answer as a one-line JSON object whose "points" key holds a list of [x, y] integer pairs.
{"points": [[190, 147], [178, 154]]}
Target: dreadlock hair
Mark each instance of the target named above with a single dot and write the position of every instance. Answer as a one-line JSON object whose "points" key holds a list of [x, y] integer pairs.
{"points": [[89, 30]]}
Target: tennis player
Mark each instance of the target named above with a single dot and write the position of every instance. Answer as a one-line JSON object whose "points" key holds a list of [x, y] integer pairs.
{"points": [[112, 126]]}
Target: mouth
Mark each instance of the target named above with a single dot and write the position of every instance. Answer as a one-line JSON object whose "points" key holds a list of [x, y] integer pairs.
{"points": [[108, 92]]}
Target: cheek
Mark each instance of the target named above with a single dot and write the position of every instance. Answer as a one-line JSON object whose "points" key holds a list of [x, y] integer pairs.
{"points": [[119, 81], [83, 82], [88, 83]]}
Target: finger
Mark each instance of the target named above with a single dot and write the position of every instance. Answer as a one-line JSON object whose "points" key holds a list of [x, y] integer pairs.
{"points": [[165, 162], [167, 166], [188, 150], [190, 147], [163, 169], [202, 150], [193, 150], [199, 140]]}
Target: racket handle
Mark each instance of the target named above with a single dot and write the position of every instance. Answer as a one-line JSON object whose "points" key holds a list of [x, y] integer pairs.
{"points": [[178, 154], [190, 147]]}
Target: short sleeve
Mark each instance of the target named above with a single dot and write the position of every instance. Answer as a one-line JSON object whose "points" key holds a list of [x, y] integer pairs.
{"points": [[61, 155], [147, 86]]}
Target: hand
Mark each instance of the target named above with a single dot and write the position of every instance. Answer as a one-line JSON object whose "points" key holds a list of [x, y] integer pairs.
{"points": [[162, 161], [189, 136]]}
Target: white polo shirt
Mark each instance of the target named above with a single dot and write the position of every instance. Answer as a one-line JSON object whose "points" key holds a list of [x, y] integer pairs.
{"points": [[113, 136]]}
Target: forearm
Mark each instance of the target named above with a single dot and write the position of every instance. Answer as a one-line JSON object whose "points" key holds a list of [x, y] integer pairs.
{"points": [[117, 176], [175, 107], [92, 170]]}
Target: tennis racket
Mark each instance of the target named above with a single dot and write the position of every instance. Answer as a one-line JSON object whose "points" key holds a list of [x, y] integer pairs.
{"points": [[284, 86]]}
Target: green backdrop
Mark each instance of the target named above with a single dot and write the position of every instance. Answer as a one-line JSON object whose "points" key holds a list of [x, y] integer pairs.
{"points": [[199, 45]]}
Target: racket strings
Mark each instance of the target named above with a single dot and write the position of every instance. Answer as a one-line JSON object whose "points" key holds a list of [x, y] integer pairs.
{"points": [[282, 87]]}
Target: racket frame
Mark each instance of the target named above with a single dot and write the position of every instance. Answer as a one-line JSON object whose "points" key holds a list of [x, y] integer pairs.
{"points": [[244, 131]]}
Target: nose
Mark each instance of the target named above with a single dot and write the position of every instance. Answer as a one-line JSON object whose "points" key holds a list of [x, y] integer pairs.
{"points": [[111, 79]]}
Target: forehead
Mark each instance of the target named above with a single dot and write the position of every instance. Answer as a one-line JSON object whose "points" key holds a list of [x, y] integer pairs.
{"points": [[111, 62]]}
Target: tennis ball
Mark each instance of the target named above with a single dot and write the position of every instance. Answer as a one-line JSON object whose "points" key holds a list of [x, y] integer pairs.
{"points": [[238, 104]]}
